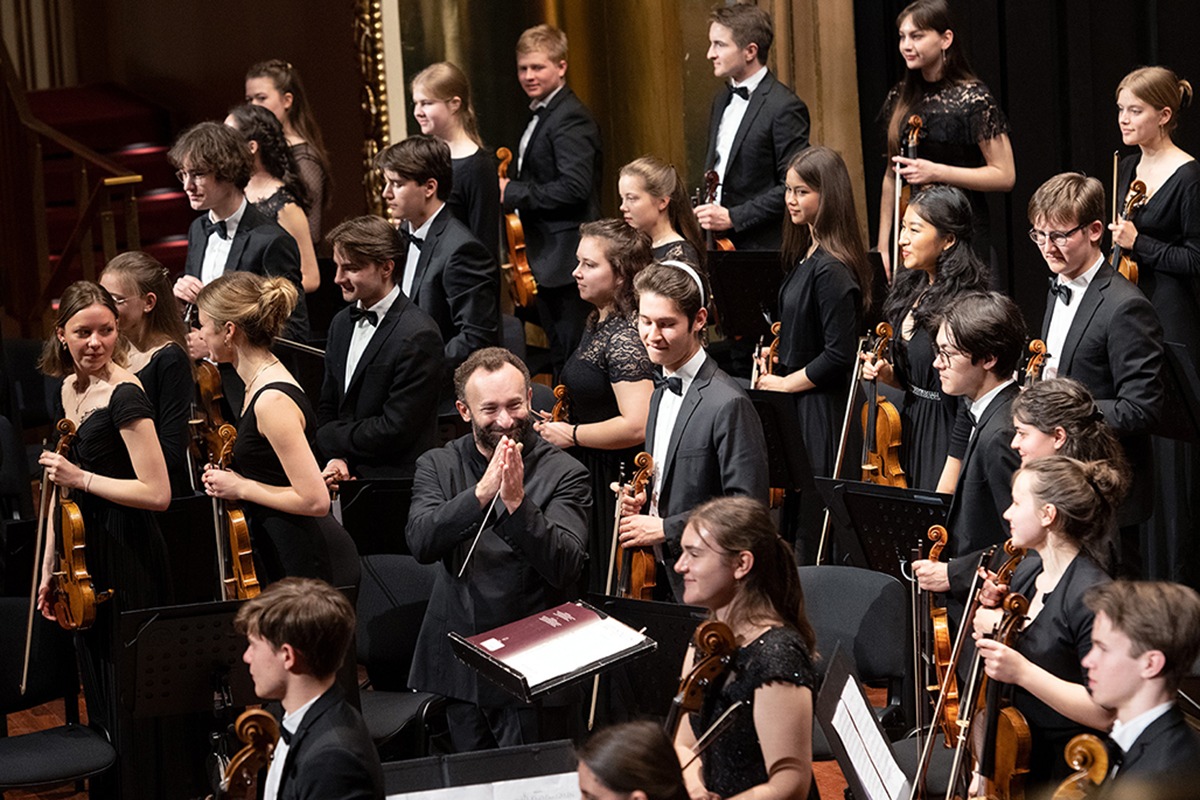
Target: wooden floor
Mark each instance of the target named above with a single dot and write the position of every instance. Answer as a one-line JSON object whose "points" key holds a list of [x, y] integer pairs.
{"points": [[827, 773]]}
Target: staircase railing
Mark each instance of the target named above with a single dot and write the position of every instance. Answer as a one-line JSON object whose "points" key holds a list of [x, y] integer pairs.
{"points": [[31, 277]]}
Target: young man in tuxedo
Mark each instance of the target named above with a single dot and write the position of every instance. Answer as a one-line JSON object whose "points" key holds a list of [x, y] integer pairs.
{"points": [[703, 433], [1145, 639], [504, 515], [299, 631], [757, 125], [383, 363], [446, 271], [556, 185], [1102, 331], [979, 342]]}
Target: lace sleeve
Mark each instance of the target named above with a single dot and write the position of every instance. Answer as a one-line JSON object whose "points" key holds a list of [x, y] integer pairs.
{"points": [[625, 354], [780, 657], [987, 119]]}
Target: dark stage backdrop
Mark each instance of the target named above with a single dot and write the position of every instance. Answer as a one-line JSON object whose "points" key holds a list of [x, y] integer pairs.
{"points": [[1054, 66]]}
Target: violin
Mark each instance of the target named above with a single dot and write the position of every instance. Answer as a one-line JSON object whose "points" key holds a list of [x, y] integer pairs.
{"points": [[1037, 360], [1088, 758], [562, 404], [522, 285], [947, 680], [1120, 259], [712, 181], [258, 731], [636, 566], [903, 190], [715, 646], [769, 357], [881, 427]]}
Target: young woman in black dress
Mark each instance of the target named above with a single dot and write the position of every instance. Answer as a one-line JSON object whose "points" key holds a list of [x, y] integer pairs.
{"points": [[150, 321], [1061, 512], [1164, 239], [275, 476], [939, 266], [655, 202], [964, 134], [735, 564], [276, 188], [276, 85], [442, 107], [609, 377]]}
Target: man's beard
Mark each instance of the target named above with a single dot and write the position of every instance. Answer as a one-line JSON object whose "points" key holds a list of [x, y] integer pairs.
{"points": [[487, 438]]}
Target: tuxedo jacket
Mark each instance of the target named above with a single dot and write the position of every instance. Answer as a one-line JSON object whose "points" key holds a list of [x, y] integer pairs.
{"points": [[557, 187], [457, 282], [983, 491], [1114, 347], [331, 755], [260, 246], [387, 416], [774, 129], [716, 449], [522, 563], [1167, 751]]}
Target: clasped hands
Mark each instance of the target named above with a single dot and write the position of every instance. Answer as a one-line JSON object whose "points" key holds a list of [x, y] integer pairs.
{"points": [[504, 476]]}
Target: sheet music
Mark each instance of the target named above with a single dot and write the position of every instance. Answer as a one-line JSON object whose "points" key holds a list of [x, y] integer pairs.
{"points": [[562, 786], [588, 642], [873, 761]]}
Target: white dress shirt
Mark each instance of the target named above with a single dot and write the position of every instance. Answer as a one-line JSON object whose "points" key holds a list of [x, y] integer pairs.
{"points": [[977, 407], [216, 252], [533, 121], [279, 757], [414, 252], [668, 413], [361, 333], [1126, 733], [1064, 314], [731, 120]]}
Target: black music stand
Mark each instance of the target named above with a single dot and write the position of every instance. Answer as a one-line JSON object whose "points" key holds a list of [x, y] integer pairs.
{"points": [[374, 513], [481, 767], [788, 465], [886, 523]]}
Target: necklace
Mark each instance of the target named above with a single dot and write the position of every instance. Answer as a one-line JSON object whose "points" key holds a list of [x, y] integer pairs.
{"points": [[249, 384], [79, 400]]}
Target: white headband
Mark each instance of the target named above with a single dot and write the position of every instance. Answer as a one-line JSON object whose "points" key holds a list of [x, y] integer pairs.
{"points": [[690, 271]]}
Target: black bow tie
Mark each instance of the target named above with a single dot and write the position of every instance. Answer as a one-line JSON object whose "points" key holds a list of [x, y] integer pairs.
{"points": [[358, 313], [285, 734], [218, 227], [740, 91], [1061, 290], [414, 240], [673, 383], [1115, 755]]}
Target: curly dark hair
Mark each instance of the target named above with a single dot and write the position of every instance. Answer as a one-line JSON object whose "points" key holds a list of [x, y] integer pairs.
{"points": [[259, 125]]}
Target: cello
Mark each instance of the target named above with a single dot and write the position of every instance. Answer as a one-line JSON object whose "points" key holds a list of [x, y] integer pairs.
{"points": [[259, 731], [636, 567], [1088, 758], [1120, 259], [521, 284], [714, 651], [881, 427]]}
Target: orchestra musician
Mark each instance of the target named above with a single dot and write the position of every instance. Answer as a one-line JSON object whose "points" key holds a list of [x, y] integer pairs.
{"points": [[964, 134], [557, 184], [1164, 240], [609, 377], [1061, 511], [1145, 639], [939, 267], [442, 107], [655, 202], [447, 272], [979, 341], [734, 563], [276, 85], [298, 633], [149, 320], [1059, 417], [1101, 331], [116, 474], [383, 363], [702, 431], [629, 761], [504, 514], [750, 159], [276, 188], [274, 477]]}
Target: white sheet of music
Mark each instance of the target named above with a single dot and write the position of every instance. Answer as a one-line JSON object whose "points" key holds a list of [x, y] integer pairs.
{"points": [[562, 786], [579, 646], [869, 752]]}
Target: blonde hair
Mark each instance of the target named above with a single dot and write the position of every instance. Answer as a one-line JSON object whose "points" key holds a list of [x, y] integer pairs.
{"points": [[146, 275], [1161, 88], [545, 39], [444, 81], [259, 306], [660, 179]]}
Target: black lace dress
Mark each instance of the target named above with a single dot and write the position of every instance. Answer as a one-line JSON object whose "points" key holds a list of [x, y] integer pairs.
{"points": [[316, 182], [955, 118], [680, 250], [271, 206], [167, 379], [288, 544], [734, 761], [609, 353]]}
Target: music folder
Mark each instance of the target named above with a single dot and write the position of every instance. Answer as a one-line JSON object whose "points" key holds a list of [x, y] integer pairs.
{"points": [[552, 649]]}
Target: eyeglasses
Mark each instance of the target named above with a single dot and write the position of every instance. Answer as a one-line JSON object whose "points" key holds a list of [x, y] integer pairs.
{"points": [[184, 176], [945, 354], [1057, 238]]}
